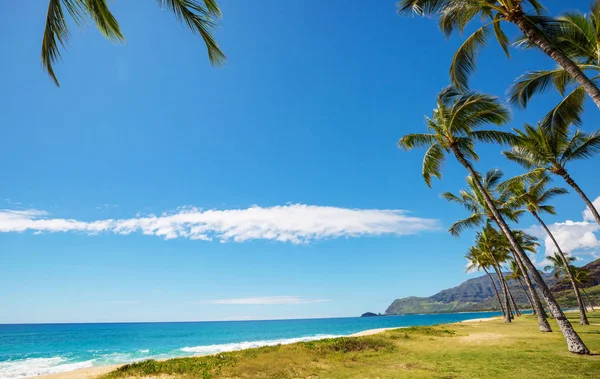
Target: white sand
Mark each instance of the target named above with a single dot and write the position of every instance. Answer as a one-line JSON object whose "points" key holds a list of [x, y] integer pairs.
{"points": [[84, 373]]}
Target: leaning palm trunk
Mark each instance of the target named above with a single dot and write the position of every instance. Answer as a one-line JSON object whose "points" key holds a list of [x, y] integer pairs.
{"points": [[508, 315], [589, 300], [574, 342], [536, 37], [514, 303], [495, 291], [526, 295], [582, 313], [538, 308], [562, 172]]}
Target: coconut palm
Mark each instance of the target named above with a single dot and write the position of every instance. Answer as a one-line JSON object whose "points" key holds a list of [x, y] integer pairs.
{"points": [[199, 16], [527, 15], [577, 36], [582, 277], [454, 128], [533, 195], [544, 149], [486, 241], [473, 200], [478, 260]]}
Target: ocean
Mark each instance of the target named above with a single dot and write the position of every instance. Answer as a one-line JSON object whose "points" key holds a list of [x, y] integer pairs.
{"points": [[28, 350]]}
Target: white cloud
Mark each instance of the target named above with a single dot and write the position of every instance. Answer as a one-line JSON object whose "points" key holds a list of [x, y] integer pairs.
{"points": [[576, 238], [295, 223], [587, 214], [268, 300]]}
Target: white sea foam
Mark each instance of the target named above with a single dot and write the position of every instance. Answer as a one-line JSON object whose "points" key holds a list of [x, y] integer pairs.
{"points": [[144, 351], [26, 368], [212, 349]]}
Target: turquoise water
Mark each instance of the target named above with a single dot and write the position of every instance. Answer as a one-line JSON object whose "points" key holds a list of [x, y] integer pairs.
{"points": [[38, 349]]}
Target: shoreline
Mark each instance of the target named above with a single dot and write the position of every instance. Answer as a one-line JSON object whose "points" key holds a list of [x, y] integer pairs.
{"points": [[94, 371]]}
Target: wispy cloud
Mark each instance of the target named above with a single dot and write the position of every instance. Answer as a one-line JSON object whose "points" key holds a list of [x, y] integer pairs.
{"points": [[577, 238], [295, 223], [267, 300]]}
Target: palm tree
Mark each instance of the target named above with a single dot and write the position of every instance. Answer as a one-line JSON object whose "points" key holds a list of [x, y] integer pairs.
{"points": [[454, 128], [533, 195], [473, 200], [199, 16], [544, 149], [486, 242], [478, 260], [576, 35], [527, 15], [582, 277]]}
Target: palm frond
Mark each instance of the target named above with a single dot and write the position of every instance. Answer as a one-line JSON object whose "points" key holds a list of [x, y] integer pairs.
{"points": [[460, 226], [200, 18], [494, 136], [577, 38], [522, 157], [568, 111], [536, 82], [56, 33], [432, 163], [413, 140], [500, 35], [586, 146], [419, 7], [104, 19], [464, 60]]}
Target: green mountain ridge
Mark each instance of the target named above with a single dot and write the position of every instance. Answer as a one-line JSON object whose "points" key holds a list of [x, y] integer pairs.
{"points": [[477, 294]]}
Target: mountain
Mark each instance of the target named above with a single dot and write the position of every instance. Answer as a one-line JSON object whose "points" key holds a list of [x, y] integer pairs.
{"points": [[593, 267], [477, 294]]}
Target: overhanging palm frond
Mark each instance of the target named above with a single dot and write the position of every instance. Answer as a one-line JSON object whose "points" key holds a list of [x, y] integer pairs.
{"points": [[200, 18], [584, 146], [104, 19], [568, 111], [578, 38], [494, 136], [56, 33], [464, 60], [420, 7], [410, 141], [460, 226], [536, 82], [432, 163]]}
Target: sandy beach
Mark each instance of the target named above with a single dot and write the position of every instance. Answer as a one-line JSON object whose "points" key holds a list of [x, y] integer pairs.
{"points": [[91, 372], [83, 373]]}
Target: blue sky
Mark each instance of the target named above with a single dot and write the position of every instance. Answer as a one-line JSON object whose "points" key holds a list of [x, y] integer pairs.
{"points": [[291, 145]]}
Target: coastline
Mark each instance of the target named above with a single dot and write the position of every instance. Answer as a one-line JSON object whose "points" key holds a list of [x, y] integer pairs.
{"points": [[92, 372]]}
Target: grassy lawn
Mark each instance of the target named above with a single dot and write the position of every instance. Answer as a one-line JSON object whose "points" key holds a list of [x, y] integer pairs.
{"points": [[489, 349]]}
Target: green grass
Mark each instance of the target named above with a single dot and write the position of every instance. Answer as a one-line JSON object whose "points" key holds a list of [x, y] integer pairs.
{"points": [[490, 349]]}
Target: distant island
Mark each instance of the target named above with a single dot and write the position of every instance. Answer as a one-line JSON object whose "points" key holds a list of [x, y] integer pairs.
{"points": [[371, 314], [477, 295]]}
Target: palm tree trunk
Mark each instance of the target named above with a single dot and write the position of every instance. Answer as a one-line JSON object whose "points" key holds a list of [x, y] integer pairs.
{"points": [[512, 300], [533, 34], [582, 314], [589, 300], [562, 172], [574, 342], [495, 291], [508, 315], [527, 295], [538, 308]]}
